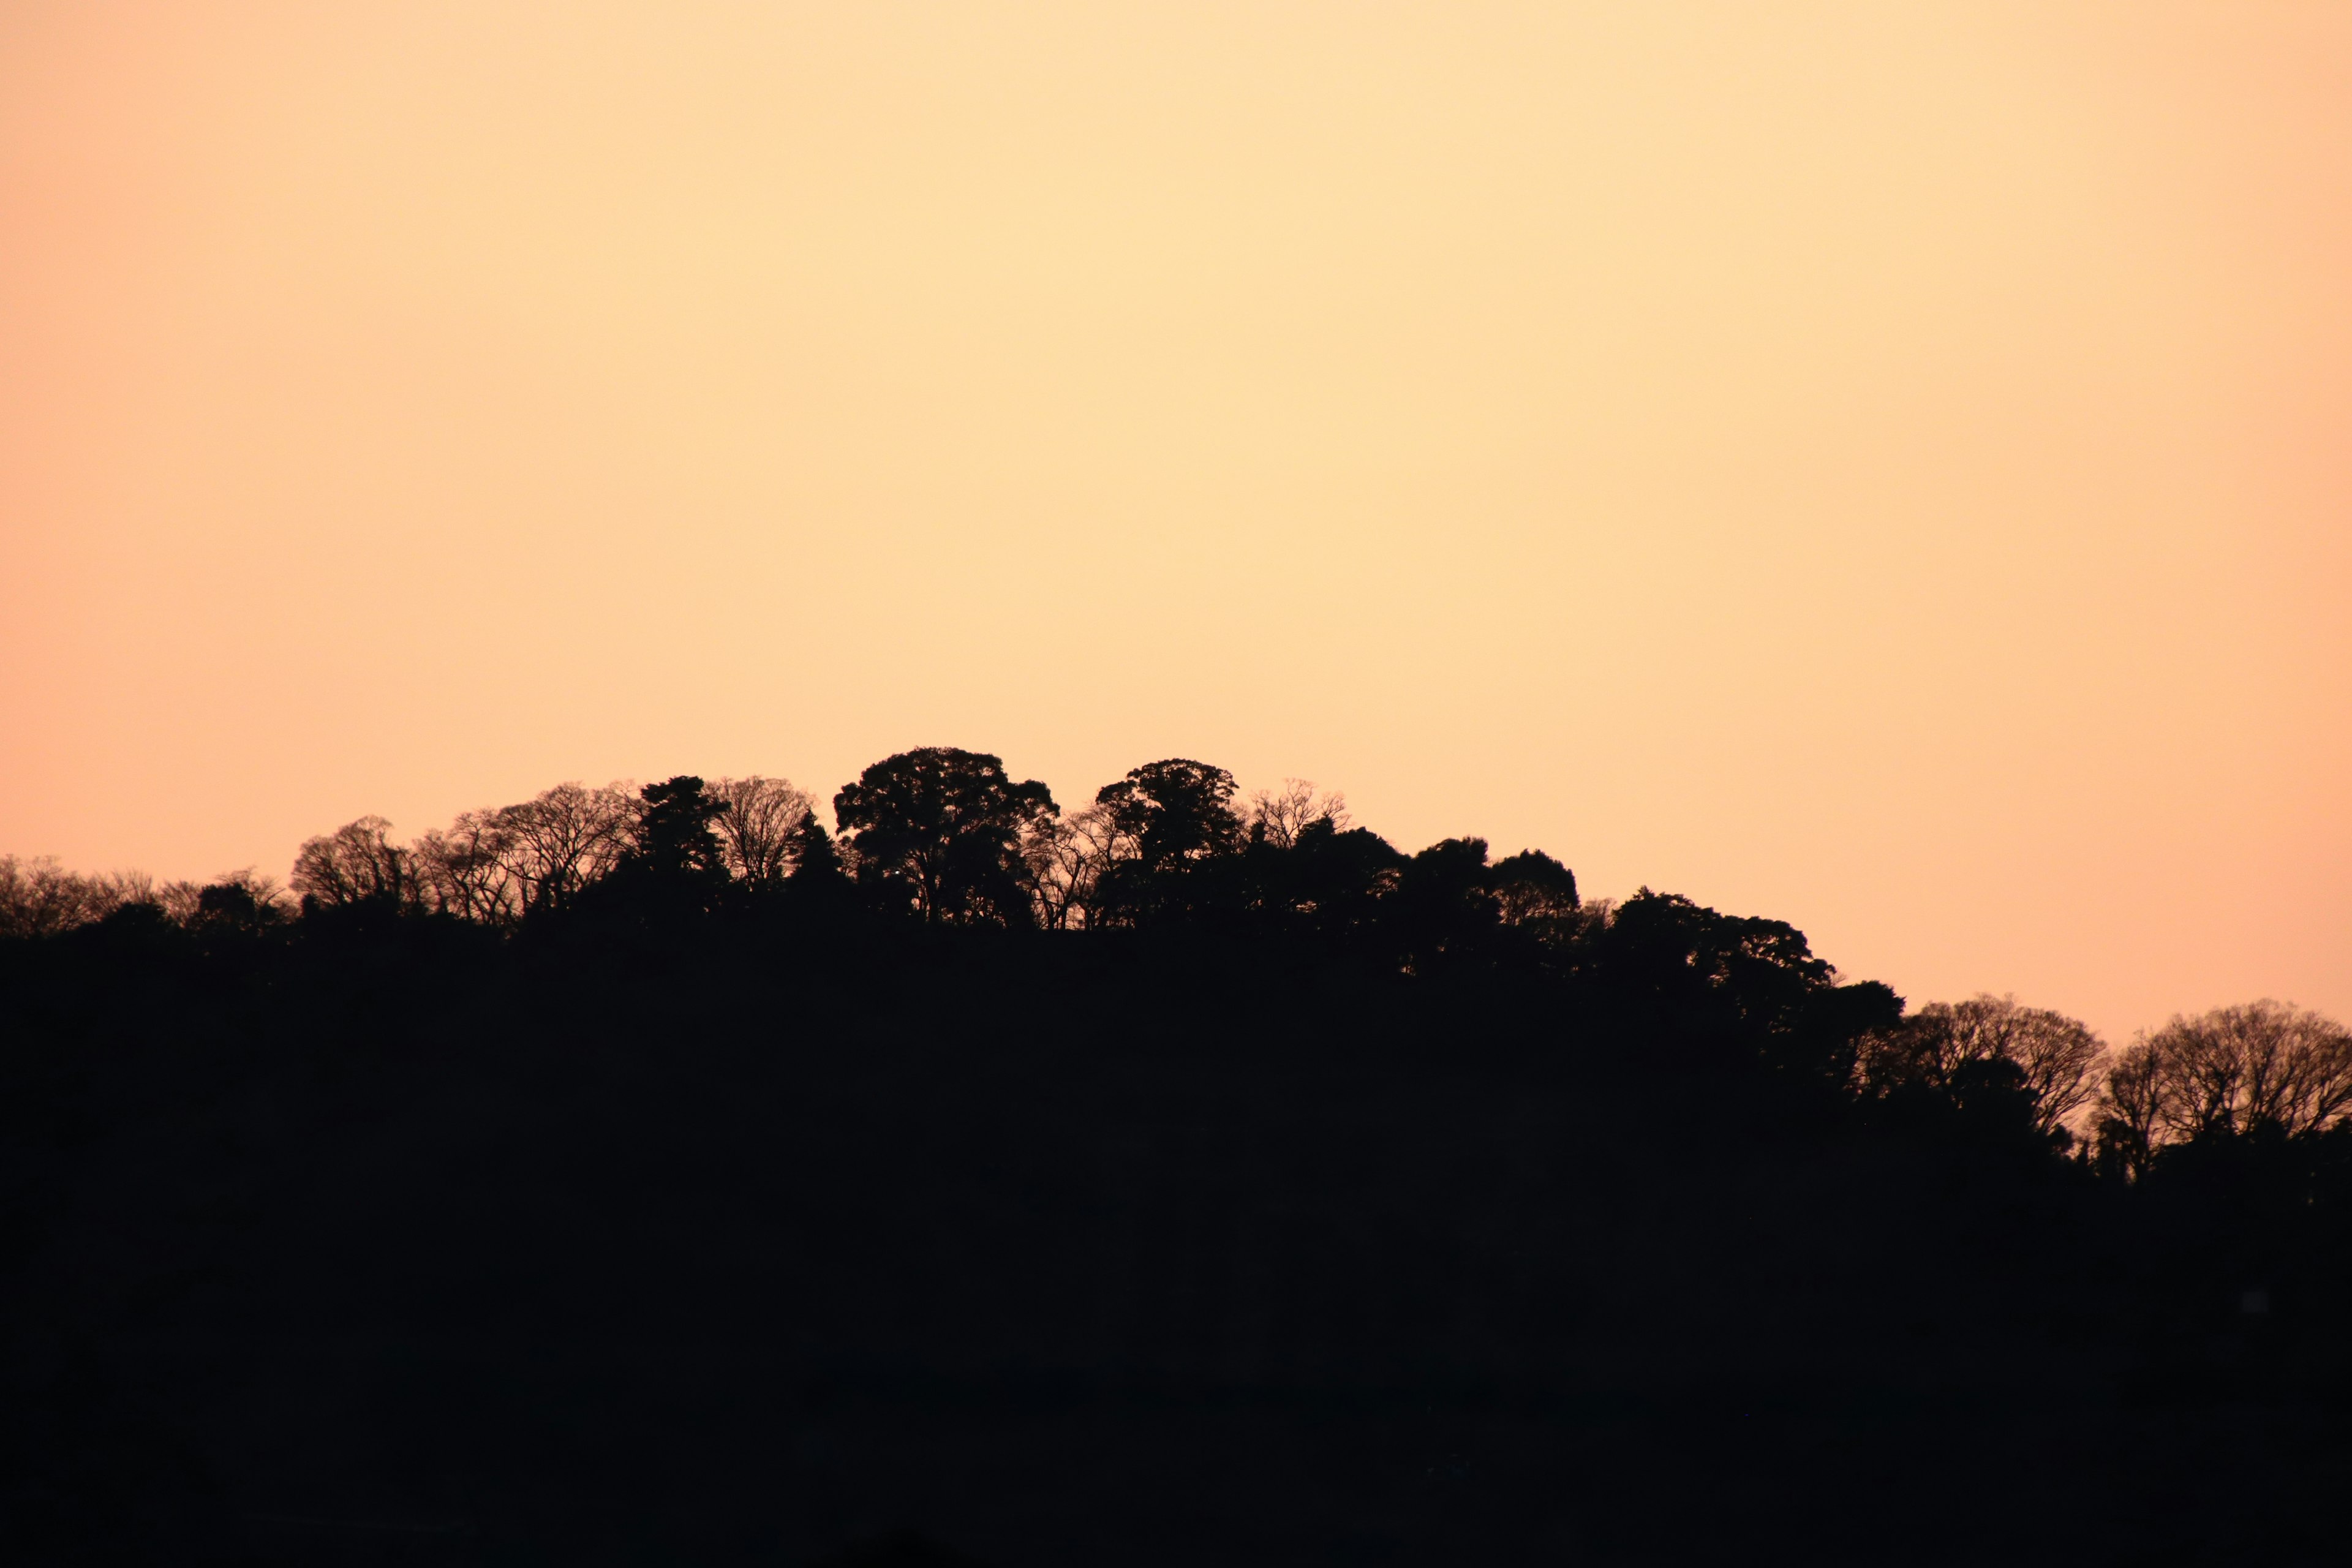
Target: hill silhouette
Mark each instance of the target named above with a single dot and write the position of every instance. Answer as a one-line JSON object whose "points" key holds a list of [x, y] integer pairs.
{"points": [[660, 1177]]}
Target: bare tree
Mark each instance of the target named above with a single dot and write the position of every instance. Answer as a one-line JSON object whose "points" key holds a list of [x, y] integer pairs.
{"points": [[1065, 860], [39, 898], [466, 869], [181, 900], [561, 841], [1280, 816], [2128, 1107], [358, 863], [2264, 1064], [759, 826], [2059, 1056]]}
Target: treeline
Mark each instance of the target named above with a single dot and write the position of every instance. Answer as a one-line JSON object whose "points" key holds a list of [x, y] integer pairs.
{"points": [[944, 837]]}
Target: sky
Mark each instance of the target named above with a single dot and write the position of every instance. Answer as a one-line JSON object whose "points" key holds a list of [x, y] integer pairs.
{"points": [[1886, 467]]}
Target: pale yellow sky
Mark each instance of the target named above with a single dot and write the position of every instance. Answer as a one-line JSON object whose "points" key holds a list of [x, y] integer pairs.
{"points": [[1883, 466]]}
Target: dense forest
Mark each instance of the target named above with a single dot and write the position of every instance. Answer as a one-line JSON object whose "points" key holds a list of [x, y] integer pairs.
{"points": [[656, 1177]]}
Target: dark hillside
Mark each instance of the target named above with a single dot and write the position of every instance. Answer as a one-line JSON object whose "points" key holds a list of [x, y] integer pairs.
{"points": [[650, 1178], [747, 1238]]}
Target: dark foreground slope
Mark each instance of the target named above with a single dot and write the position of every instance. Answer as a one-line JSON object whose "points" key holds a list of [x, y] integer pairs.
{"points": [[405, 1246]]}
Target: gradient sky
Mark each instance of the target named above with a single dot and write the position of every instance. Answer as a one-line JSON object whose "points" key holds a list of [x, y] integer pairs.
{"points": [[1884, 467]]}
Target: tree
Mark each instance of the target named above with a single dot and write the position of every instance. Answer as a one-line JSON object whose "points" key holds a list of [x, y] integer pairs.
{"points": [[1531, 887], [1279, 816], [37, 898], [1065, 861], [817, 864], [356, 864], [2226, 1073], [563, 841], [1178, 812], [1677, 969], [1177, 815], [2057, 1057], [1443, 900], [2128, 1132], [759, 826], [938, 831], [673, 841], [1329, 880], [240, 903], [468, 869]]}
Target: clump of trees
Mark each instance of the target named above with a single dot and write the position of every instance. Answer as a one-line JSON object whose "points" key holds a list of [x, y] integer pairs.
{"points": [[40, 899], [942, 836]]}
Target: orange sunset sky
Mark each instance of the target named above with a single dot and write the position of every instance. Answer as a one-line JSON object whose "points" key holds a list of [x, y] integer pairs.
{"points": [[1883, 466]]}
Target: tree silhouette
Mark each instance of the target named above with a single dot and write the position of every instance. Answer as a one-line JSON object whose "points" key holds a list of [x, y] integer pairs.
{"points": [[938, 831], [2058, 1059], [1178, 816], [1446, 905], [2232, 1072], [1279, 816], [1330, 882], [1067, 864], [817, 863], [758, 823], [1532, 888], [240, 904], [39, 898], [356, 864], [1734, 984], [561, 842]]}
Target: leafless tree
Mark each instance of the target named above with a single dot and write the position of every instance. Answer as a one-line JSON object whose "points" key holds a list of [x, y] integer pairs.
{"points": [[466, 869], [2128, 1107], [2059, 1056], [561, 841], [1283, 813], [39, 898], [357, 863], [2237, 1068], [759, 827], [2264, 1064], [181, 900], [1064, 861]]}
